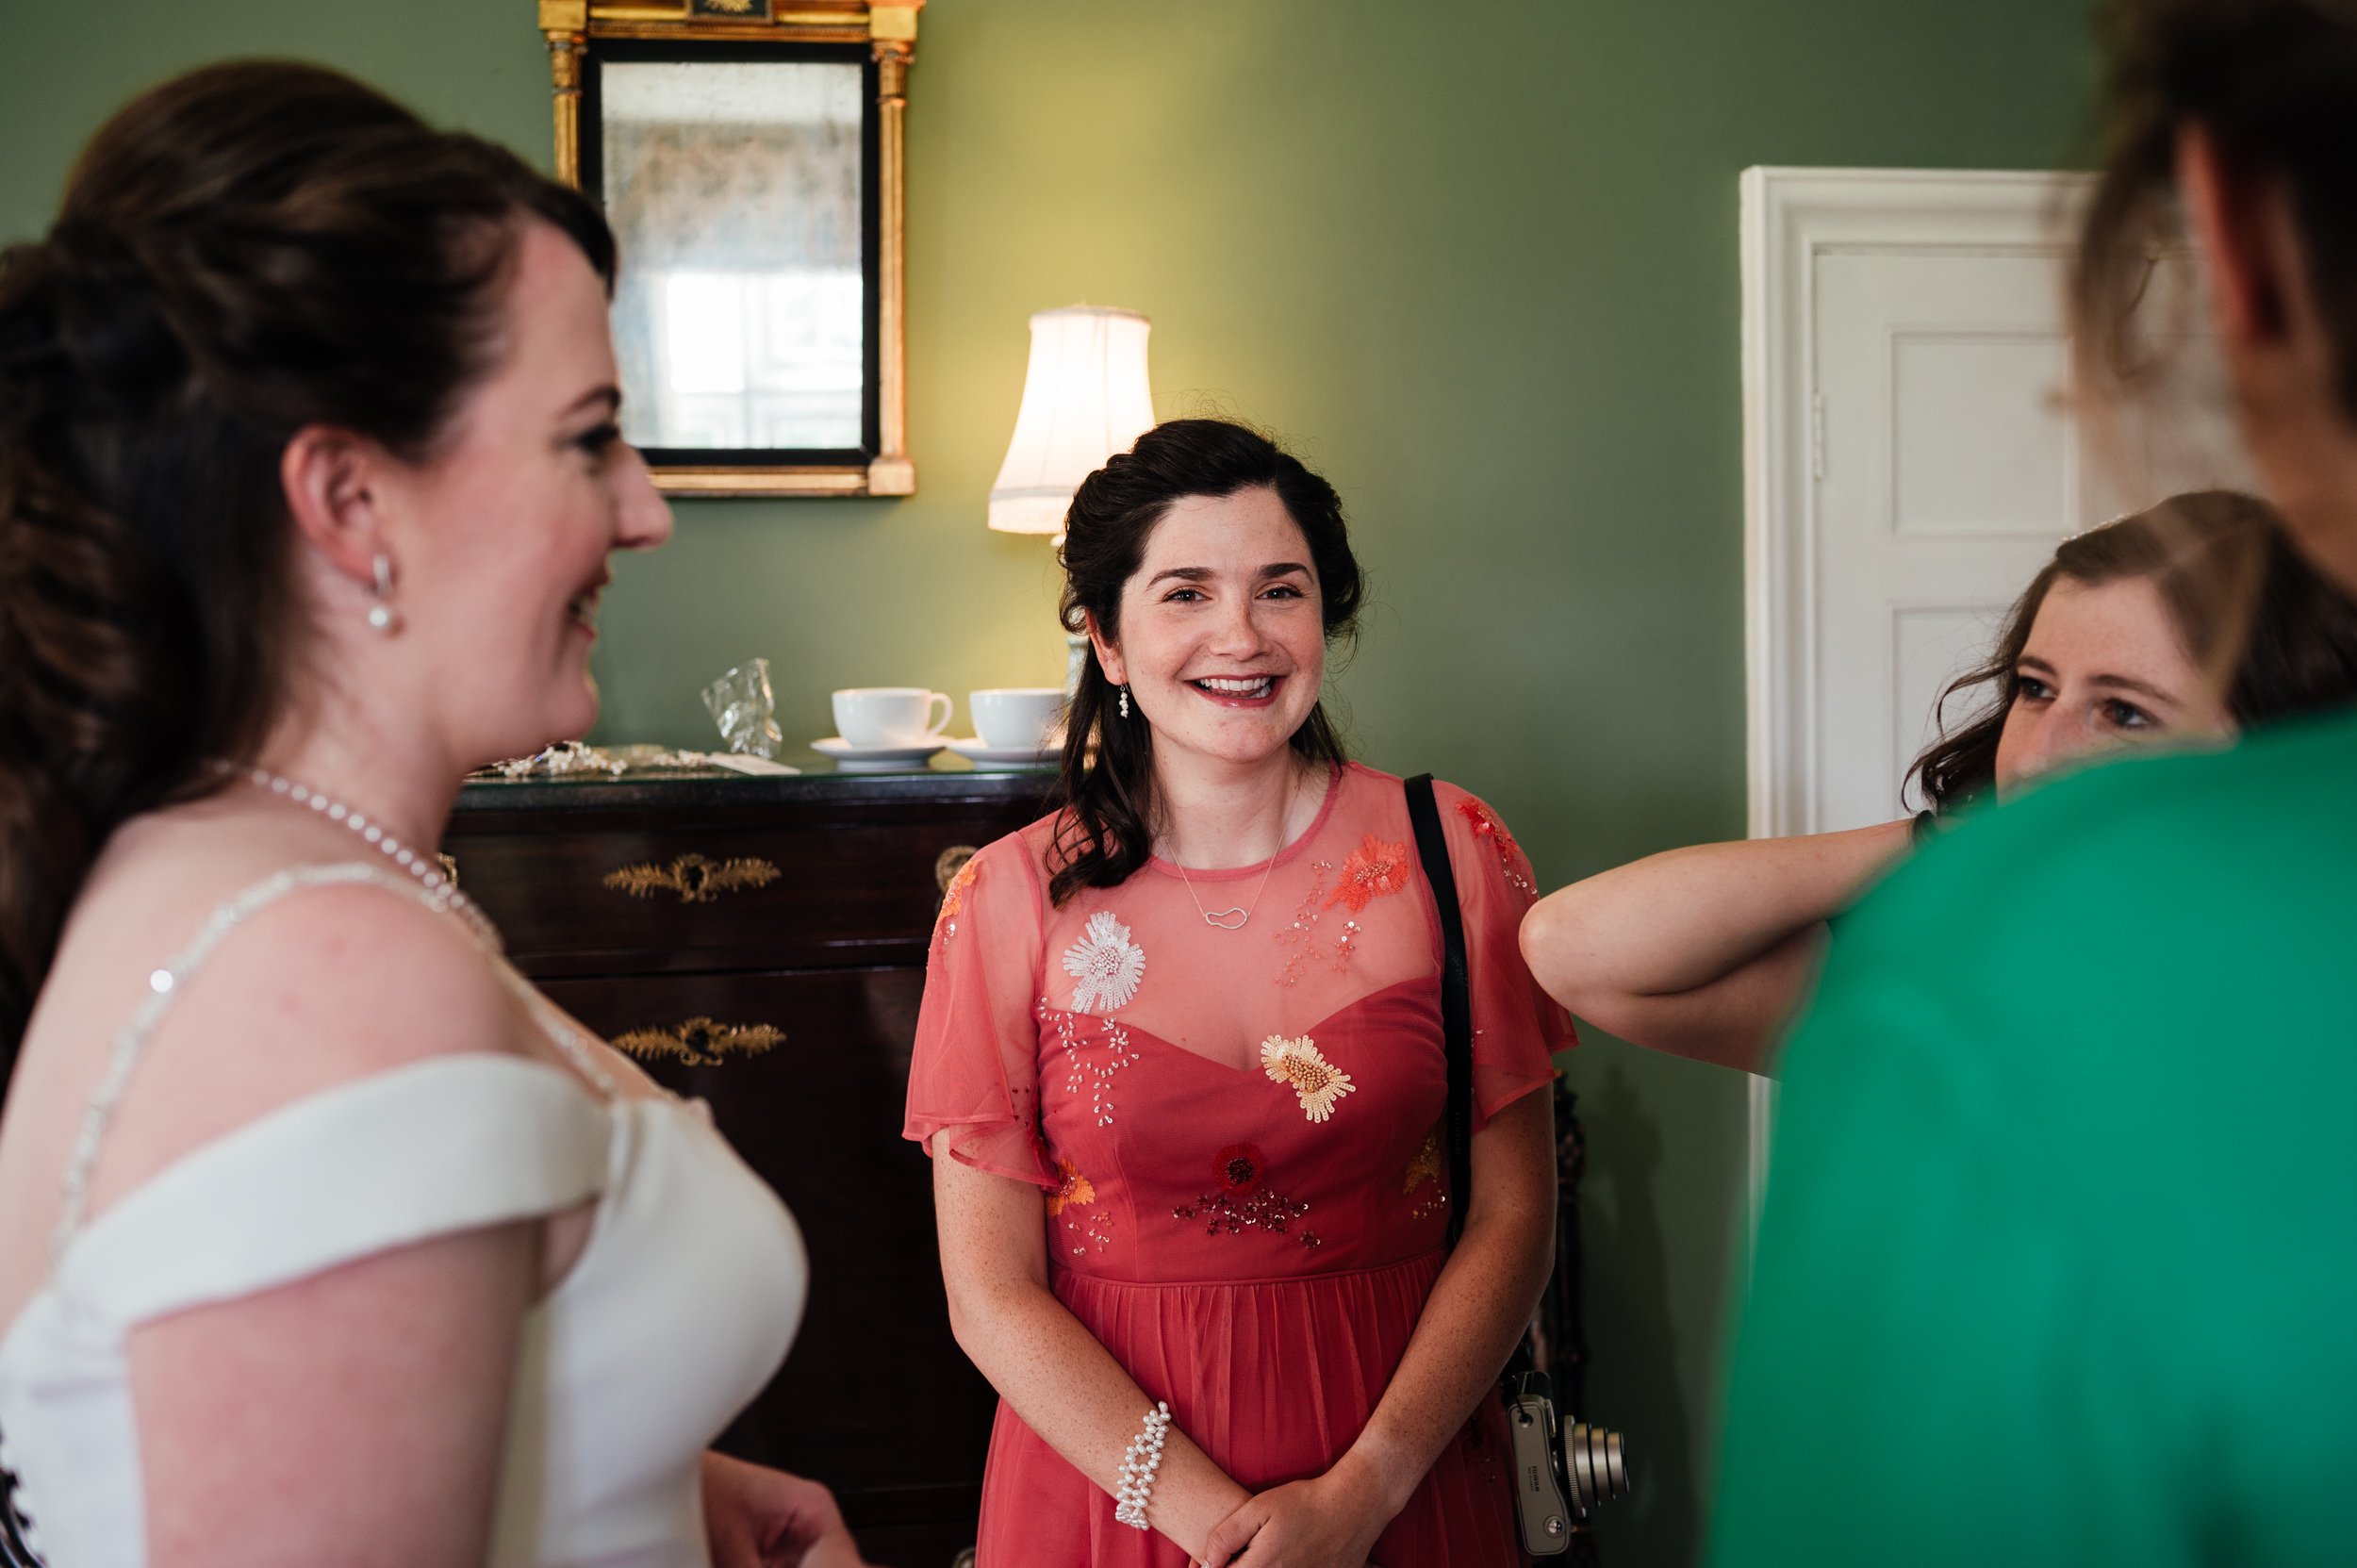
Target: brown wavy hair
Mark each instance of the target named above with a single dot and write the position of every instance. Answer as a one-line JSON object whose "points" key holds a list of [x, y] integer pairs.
{"points": [[2274, 82], [1105, 832], [244, 251], [2281, 640]]}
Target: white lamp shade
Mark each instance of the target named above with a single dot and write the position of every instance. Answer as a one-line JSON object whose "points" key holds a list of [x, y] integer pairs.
{"points": [[1085, 397]]}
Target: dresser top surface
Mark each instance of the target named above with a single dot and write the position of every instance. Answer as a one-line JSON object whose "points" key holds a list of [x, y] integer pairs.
{"points": [[704, 788]]}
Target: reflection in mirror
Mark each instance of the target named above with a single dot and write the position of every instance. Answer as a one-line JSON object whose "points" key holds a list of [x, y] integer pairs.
{"points": [[735, 188]]}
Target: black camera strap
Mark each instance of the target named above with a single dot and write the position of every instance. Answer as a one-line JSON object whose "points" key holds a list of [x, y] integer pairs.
{"points": [[1423, 812], [1456, 996]]}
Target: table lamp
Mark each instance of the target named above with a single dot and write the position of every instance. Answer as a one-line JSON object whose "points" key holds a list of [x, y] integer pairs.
{"points": [[1085, 397]]}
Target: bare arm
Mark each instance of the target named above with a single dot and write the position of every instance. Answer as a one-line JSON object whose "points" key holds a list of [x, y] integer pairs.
{"points": [[1703, 952], [1478, 1308], [357, 1415], [1064, 1385]]}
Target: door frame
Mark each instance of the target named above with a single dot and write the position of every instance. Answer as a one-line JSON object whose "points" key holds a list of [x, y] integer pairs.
{"points": [[1789, 218]]}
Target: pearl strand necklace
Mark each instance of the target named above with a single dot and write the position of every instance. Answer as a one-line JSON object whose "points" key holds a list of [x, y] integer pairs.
{"points": [[439, 889], [1138, 1463]]}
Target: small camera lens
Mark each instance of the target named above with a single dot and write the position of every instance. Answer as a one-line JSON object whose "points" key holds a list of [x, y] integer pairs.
{"points": [[1599, 1465]]}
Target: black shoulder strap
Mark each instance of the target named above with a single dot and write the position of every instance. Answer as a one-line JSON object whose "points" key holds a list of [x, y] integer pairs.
{"points": [[1456, 996]]}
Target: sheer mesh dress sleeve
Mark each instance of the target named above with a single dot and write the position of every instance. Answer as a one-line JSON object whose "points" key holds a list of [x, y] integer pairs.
{"points": [[1517, 1027], [976, 1067]]}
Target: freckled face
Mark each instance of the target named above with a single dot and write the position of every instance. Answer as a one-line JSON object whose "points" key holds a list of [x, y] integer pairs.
{"points": [[2102, 668], [1222, 641]]}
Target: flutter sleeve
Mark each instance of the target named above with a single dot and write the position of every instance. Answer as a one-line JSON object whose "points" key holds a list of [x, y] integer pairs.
{"points": [[1517, 1027], [975, 1070]]}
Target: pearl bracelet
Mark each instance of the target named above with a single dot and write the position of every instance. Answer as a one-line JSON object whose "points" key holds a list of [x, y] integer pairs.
{"points": [[1138, 1463]]}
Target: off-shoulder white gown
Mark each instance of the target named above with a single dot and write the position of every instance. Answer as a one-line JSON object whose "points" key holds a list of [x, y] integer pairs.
{"points": [[680, 1308]]}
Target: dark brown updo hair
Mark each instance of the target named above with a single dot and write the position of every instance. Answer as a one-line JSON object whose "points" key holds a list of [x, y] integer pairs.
{"points": [[2245, 605], [242, 251], [1106, 830], [2274, 83]]}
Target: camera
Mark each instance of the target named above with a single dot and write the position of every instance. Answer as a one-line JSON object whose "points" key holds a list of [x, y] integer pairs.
{"points": [[1561, 1476]]}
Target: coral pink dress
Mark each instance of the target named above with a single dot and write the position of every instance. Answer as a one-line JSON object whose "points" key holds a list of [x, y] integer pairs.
{"points": [[1237, 1133], [1238, 1140]]}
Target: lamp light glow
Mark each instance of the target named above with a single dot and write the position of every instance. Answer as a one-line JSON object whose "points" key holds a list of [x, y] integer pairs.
{"points": [[1085, 397]]}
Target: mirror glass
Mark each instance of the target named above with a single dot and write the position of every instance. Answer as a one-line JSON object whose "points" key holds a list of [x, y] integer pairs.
{"points": [[735, 190]]}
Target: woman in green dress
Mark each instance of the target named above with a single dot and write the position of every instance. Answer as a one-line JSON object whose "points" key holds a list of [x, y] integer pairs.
{"points": [[2055, 1265]]}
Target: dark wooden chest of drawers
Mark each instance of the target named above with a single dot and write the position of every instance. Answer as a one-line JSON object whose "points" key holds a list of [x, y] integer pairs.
{"points": [[761, 943]]}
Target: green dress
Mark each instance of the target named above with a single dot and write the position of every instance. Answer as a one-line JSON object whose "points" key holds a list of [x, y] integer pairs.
{"points": [[2059, 1262]]}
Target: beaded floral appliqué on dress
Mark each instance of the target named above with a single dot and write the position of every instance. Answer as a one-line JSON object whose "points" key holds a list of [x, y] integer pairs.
{"points": [[1238, 1201], [1376, 868], [1075, 1193], [1301, 936], [1080, 1071], [1105, 965], [1071, 1188], [1425, 1170], [953, 900], [1486, 825], [1297, 1064]]}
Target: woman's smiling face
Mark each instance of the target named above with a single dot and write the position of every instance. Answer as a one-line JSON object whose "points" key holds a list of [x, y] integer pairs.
{"points": [[506, 532], [1222, 636]]}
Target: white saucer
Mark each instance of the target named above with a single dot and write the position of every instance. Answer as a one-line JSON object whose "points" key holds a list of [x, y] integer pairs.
{"points": [[875, 759], [973, 751]]}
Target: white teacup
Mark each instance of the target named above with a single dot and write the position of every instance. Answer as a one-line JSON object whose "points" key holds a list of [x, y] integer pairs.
{"points": [[889, 716], [1016, 718]]}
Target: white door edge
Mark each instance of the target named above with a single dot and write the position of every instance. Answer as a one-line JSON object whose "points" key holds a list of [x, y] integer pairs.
{"points": [[1788, 217]]}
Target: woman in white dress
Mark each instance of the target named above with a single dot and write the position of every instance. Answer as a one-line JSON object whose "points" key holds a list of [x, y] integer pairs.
{"points": [[324, 1239]]}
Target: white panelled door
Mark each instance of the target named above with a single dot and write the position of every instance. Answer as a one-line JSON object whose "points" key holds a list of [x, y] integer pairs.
{"points": [[1944, 474], [1911, 459], [1910, 463]]}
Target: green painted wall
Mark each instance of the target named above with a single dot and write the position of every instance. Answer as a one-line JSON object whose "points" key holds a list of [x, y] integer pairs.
{"points": [[1476, 259]]}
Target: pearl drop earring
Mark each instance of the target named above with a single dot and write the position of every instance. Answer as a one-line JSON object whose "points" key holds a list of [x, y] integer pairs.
{"points": [[383, 617], [1125, 701]]}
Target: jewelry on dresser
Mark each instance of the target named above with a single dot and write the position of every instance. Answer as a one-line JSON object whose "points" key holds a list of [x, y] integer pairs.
{"points": [[439, 888], [566, 757], [1138, 1463], [571, 756], [1125, 701], [382, 616]]}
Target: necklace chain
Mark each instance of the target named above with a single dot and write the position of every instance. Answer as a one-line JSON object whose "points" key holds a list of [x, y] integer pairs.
{"points": [[1218, 918], [439, 889]]}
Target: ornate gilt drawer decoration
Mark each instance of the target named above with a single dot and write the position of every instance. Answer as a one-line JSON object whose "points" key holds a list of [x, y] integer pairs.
{"points": [[696, 878], [700, 1042]]}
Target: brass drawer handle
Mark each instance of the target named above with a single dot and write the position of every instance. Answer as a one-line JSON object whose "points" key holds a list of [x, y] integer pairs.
{"points": [[948, 864], [693, 878], [700, 1042]]}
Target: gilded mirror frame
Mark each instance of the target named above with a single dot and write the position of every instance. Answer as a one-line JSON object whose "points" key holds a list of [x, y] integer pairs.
{"points": [[885, 30]]}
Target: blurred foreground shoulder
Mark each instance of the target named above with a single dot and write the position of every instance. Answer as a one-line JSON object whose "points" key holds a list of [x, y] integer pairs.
{"points": [[2125, 843]]}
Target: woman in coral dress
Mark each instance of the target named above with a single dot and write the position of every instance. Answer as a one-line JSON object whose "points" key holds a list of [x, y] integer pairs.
{"points": [[1180, 1064]]}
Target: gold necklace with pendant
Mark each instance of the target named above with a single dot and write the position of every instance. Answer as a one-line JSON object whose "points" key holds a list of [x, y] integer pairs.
{"points": [[1240, 917], [1219, 917]]}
